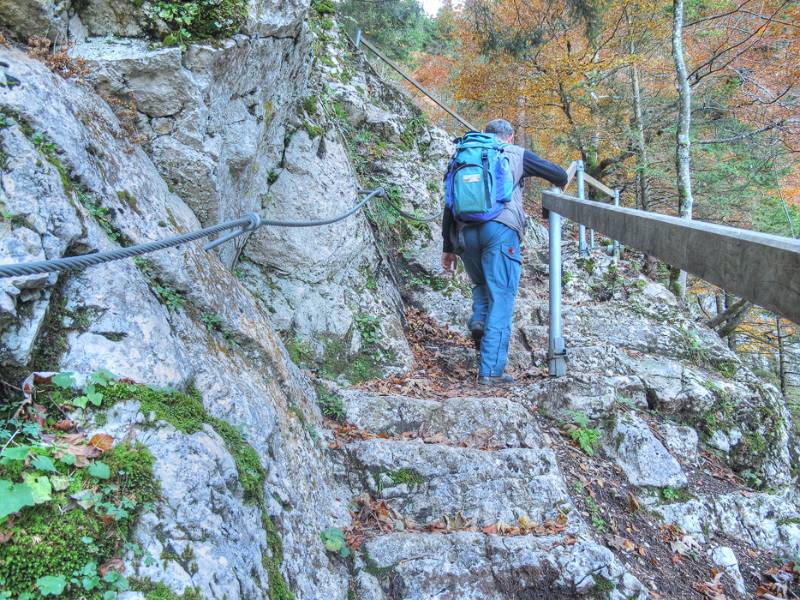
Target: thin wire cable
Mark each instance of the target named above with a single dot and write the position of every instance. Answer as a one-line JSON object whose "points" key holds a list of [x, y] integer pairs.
{"points": [[251, 222], [412, 216]]}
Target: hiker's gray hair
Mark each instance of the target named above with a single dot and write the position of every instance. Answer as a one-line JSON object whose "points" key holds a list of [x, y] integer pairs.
{"points": [[500, 127]]}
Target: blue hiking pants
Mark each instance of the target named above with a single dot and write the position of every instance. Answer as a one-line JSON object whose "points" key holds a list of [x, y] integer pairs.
{"points": [[493, 262]]}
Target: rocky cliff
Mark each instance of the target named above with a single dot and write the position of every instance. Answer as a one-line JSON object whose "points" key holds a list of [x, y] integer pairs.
{"points": [[301, 398]]}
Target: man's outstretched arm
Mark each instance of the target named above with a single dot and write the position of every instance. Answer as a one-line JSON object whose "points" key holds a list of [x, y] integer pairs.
{"points": [[535, 166]]}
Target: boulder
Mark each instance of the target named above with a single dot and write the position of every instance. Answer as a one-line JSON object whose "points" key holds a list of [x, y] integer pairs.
{"points": [[643, 458]]}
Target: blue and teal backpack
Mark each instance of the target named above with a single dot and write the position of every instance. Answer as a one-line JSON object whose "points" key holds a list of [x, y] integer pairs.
{"points": [[479, 180]]}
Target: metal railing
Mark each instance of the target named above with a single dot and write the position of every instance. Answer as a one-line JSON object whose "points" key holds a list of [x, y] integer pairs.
{"points": [[759, 267], [577, 171], [361, 41]]}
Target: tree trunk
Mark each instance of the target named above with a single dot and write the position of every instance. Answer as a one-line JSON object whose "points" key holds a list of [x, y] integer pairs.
{"points": [[683, 143], [781, 355], [642, 189]]}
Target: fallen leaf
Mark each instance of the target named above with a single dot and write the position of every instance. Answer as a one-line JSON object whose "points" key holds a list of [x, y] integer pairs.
{"points": [[102, 441], [633, 502], [115, 564], [63, 425]]}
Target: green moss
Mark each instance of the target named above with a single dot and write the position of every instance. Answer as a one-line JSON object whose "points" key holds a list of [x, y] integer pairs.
{"points": [[160, 591], [184, 411], [132, 470], [727, 368], [251, 473], [299, 351], [404, 476], [310, 105], [278, 587], [129, 199], [323, 7], [313, 131], [603, 585], [59, 538], [46, 542], [51, 343]]}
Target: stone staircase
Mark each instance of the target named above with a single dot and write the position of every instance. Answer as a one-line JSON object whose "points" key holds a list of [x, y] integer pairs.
{"points": [[476, 467]]}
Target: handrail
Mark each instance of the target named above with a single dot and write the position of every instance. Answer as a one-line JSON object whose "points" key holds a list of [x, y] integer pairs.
{"points": [[598, 185], [760, 267], [361, 40], [571, 170]]}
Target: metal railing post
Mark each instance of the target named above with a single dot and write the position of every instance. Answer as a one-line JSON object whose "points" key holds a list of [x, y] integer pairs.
{"points": [[556, 352], [582, 195], [358, 38], [616, 242]]}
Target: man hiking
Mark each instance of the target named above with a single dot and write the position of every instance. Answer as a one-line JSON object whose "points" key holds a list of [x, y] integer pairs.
{"points": [[483, 223]]}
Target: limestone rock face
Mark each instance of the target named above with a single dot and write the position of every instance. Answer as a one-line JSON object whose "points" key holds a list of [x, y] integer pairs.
{"points": [[471, 565], [767, 520], [109, 317], [641, 455], [43, 18]]}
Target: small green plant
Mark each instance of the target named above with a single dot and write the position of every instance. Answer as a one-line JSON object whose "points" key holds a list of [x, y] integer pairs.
{"points": [[695, 350], [313, 131], [403, 476], [670, 494], [331, 405], [299, 351], [598, 522], [100, 214], [165, 293], [608, 287], [582, 434], [213, 323], [323, 7], [369, 328], [334, 541], [42, 143], [595, 512], [272, 177], [587, 264], [197, 19], [626, 402], [310, 105], [603, 585]]}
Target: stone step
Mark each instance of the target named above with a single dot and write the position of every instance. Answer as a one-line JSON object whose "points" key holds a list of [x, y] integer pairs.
{"points": [[494, 422], [428, 481], [475, 566]]}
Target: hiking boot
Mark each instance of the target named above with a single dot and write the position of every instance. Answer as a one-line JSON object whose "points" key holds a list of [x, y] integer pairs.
{"points": [[476, 329], [499, 380]]}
